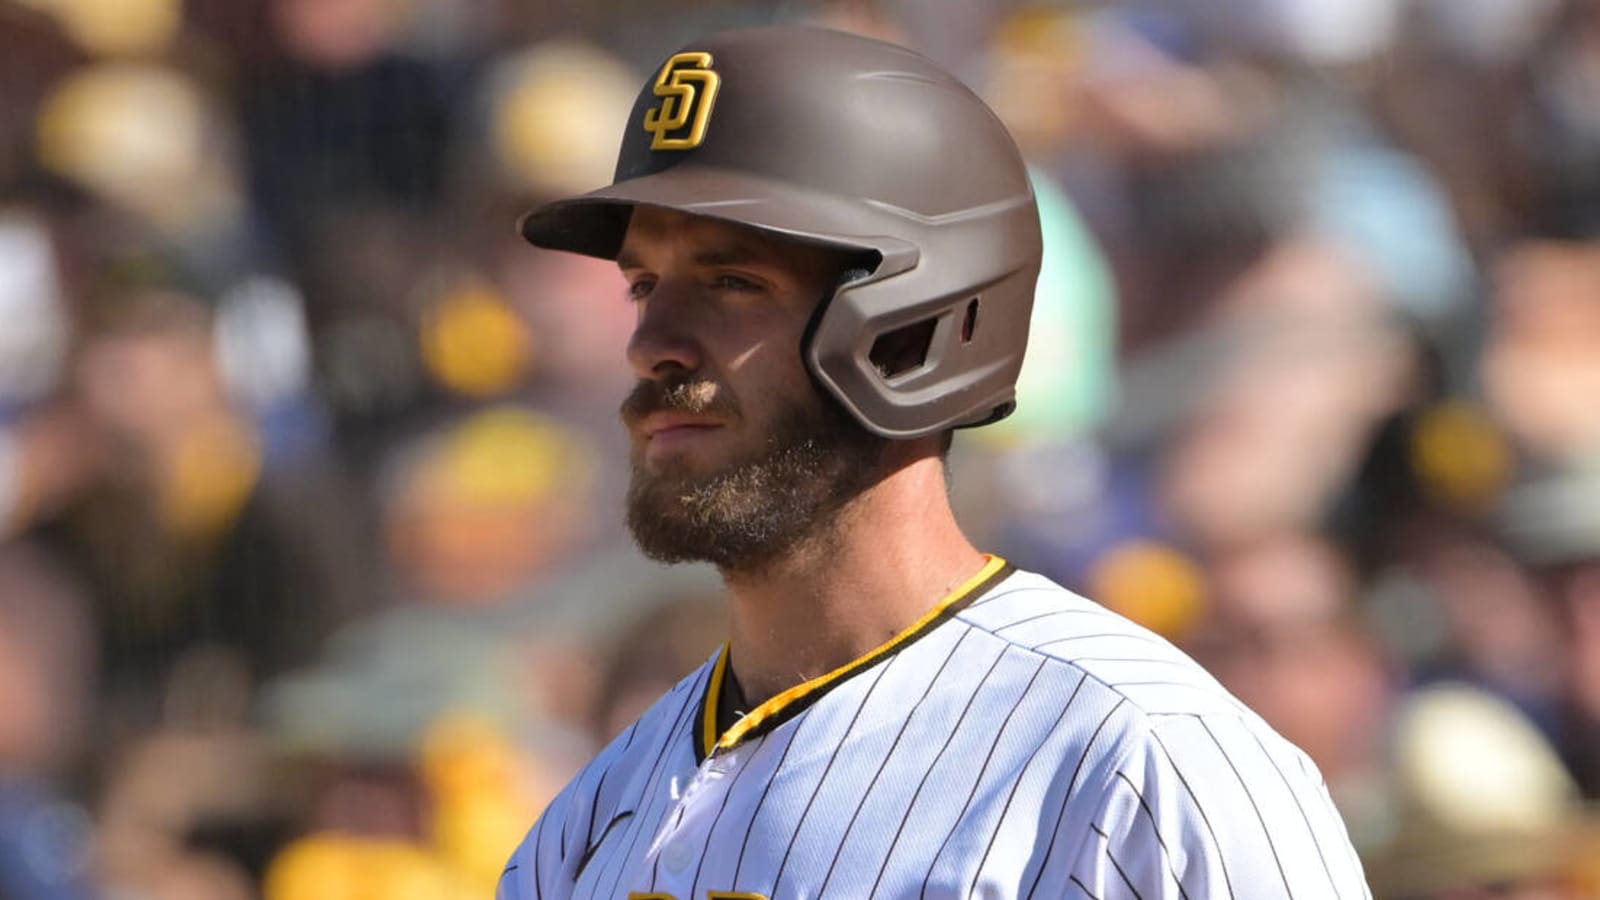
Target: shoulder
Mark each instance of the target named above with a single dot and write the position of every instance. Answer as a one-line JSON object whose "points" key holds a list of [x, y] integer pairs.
{"points": [[1034, 614], [1173, 775], [1149, 687], [1220, 806], [602, 791]]}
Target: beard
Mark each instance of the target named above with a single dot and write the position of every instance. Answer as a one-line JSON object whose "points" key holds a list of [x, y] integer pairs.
{"points": [[760, 507]]}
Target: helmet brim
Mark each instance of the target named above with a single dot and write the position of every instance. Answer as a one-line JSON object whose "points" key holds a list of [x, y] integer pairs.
{"points": [[594, 224]]}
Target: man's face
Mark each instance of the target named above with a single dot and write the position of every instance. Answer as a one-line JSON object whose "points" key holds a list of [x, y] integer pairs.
{"points": [[736, 456]]}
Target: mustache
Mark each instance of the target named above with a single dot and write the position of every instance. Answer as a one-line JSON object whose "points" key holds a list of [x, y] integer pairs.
{"points": [[693, 396]]}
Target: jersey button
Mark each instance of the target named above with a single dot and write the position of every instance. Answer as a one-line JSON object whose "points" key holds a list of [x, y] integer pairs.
{"points": [[677, 855]]}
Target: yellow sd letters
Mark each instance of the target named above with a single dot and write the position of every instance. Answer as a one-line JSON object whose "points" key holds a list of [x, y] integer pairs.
{"points": [[687, 87]]}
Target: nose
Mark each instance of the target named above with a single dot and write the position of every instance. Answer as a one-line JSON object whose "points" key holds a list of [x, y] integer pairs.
{"points": [[663, 342]]}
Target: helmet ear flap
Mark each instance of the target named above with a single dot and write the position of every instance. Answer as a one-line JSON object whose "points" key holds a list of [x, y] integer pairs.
{"points": [[904, 349], [933, 341]]}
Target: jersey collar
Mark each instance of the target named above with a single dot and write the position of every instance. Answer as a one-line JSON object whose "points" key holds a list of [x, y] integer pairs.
{"points": [[793, 701]]}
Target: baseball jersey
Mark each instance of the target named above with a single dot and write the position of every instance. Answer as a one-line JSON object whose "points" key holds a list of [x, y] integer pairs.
{"points": [[1018, 741]]}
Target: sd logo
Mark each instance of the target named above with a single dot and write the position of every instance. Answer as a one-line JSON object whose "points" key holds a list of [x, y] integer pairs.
{"points": [[687, 87]]}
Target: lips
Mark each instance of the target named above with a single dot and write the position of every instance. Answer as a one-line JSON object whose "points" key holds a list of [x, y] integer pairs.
{"points": [[674, 425], [663, 435]]}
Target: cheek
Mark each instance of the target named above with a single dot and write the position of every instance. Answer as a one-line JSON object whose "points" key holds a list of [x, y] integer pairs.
{"points": [[770, 385], [769, 376], [765, 356]]}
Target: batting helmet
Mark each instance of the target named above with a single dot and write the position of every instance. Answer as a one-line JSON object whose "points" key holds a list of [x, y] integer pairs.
{"points": [[836, 139]]}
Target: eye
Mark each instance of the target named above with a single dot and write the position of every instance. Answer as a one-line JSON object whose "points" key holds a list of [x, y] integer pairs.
{"points": [[729, 282], [640, 288]]}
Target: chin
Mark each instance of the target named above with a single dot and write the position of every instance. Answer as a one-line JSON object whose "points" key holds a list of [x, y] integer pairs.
{"points": [[677, 465]]}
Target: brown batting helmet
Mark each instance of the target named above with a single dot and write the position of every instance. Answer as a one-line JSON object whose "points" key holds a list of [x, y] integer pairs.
{"points": [[831, 138]]}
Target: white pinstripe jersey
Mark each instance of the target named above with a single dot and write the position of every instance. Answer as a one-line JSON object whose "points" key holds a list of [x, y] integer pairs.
{"points": [[1019, 741]]}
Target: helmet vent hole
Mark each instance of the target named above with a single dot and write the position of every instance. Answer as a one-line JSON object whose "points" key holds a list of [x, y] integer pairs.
{"points": [[969, 323], [903, 349]]}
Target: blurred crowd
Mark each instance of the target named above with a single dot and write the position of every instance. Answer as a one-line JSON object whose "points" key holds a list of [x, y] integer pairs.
{"points": [[312, 579]]}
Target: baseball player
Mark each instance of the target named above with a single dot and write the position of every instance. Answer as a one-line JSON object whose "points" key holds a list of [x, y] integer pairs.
{"points": [[832, 247]]}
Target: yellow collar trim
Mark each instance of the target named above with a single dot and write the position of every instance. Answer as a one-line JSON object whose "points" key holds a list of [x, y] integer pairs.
{"points": [[714, 698], [777, 704]]}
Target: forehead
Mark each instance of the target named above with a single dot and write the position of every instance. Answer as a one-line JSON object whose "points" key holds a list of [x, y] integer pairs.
{"points": [[653, 231]]}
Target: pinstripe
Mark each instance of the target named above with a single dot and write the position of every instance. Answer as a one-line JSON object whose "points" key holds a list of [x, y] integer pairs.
{"points": [[1077, 770], [1248, 796], [1209, 689], [900, 831], [649, 797], [1082, 887], [538, 841], [1055, 613], [1191, 685], [1047, 614], [1199, 807], [1155, 829], [1011, 795], [594, 805], [1133, 659], [589, 852], [756, 813], [883, 764], [655, 868], [1103, 635], [832, 757], [501, 890], [712, 831], [1352, 861], [1116, 865], [982, 770], [1300, 808]]}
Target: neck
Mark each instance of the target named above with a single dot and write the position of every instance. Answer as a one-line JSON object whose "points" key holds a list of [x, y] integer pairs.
{"points": [[891, 555]]}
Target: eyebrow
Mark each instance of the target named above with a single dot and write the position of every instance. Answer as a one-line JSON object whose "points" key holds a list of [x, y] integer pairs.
{"points": [[735, 255]]}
